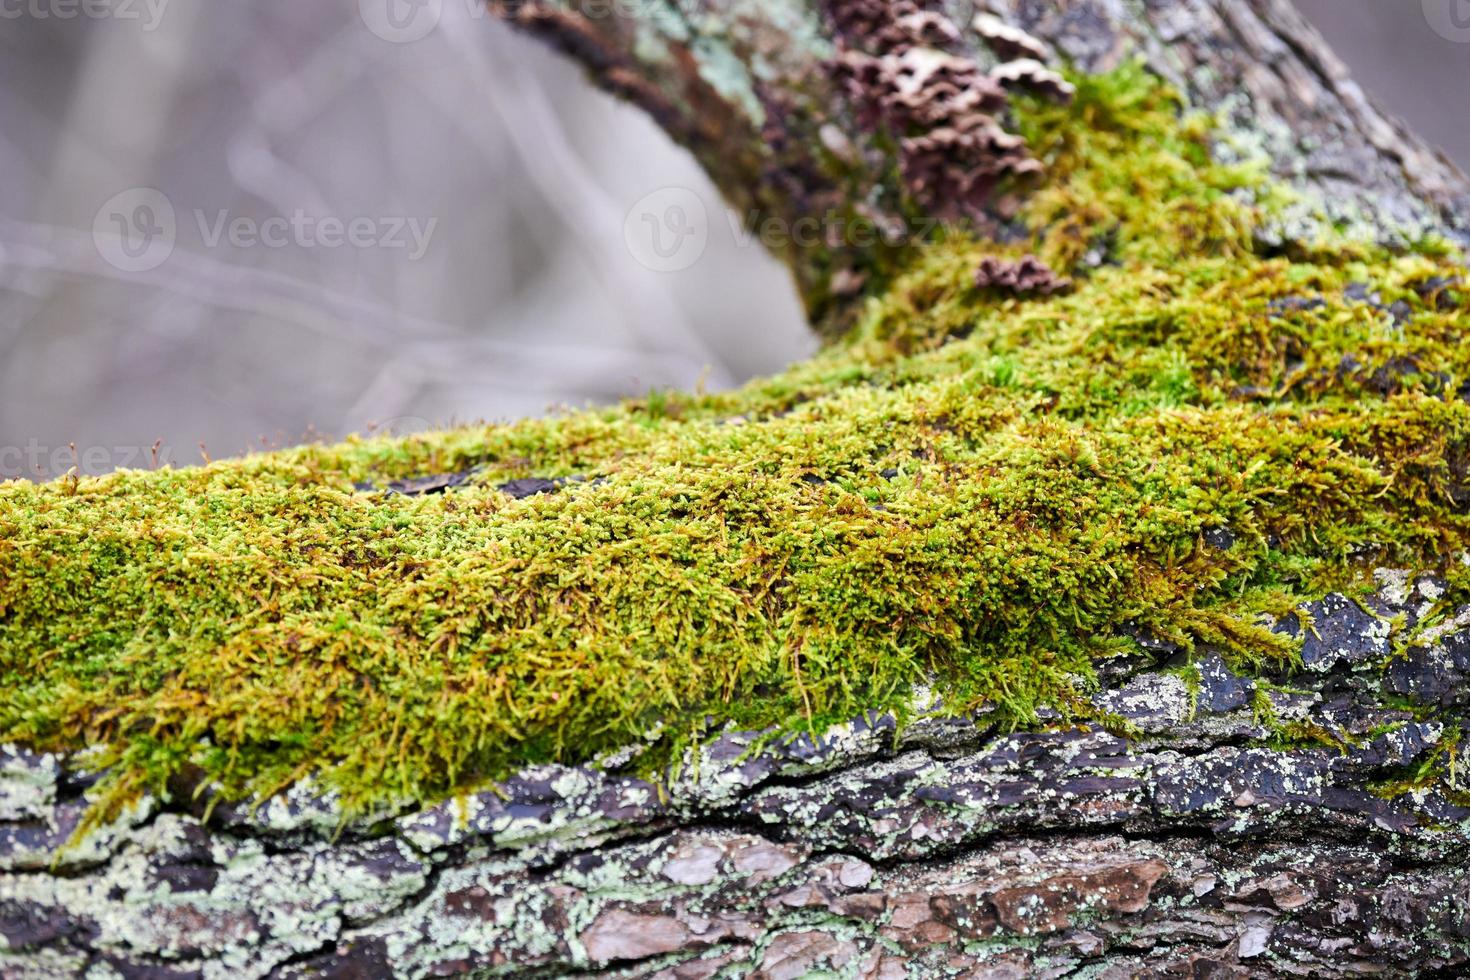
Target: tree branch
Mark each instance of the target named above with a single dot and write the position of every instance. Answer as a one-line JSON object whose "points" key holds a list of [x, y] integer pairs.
{"points": [[754, 90]]}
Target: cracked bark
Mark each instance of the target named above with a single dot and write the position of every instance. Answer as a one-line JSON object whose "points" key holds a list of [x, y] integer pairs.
{"points": [[1198, 845]]}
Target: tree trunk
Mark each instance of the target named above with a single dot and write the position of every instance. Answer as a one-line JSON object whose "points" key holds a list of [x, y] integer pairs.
{"points": [[946, 848]]}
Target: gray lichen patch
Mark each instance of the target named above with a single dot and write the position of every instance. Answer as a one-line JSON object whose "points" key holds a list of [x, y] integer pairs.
{"points": [[27, 783]]}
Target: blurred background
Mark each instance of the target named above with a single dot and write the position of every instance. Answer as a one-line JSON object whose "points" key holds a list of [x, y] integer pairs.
{"points": [[250, 224]]}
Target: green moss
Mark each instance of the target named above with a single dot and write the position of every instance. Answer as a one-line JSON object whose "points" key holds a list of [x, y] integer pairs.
{"points": [[970, 493]]}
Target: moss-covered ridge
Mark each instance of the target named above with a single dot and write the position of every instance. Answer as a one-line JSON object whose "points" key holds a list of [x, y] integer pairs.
{"points": [[972, 492]]}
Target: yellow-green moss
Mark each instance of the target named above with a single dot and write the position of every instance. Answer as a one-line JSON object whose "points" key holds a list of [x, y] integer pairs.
{"points": [[968, 492]]}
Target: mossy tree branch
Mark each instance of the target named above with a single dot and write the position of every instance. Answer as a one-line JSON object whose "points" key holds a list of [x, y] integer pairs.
{"points": [[1046, 623]]}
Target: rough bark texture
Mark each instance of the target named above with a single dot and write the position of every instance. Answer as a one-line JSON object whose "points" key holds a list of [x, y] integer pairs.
{"points": [[1192, 847], [1195, 841]]}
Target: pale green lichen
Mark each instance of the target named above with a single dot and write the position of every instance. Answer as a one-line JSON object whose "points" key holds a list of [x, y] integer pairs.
{"points": [[970, 492]]}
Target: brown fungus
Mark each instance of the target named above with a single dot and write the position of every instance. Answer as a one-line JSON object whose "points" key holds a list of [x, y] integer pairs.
{"points": [[928, 27], [1025, 276], [1006, 41], [1033, 76], [942, 106]]}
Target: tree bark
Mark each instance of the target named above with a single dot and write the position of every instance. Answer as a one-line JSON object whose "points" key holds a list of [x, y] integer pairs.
{"points": [[747, 87], [945, 848]]}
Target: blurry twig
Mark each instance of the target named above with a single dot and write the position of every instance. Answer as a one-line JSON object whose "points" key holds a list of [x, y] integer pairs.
{"points": [[567, 187], [434, 349]]}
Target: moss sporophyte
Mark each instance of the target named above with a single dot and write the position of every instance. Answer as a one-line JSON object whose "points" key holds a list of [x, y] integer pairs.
{"points": [[971, 492]]}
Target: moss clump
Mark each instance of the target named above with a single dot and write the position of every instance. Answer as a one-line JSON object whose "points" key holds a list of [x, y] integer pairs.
{"points": [[969, 493]]}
